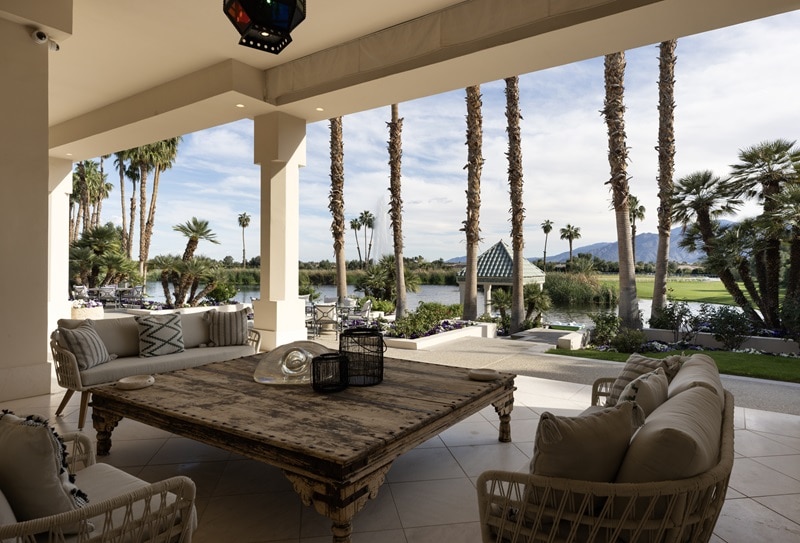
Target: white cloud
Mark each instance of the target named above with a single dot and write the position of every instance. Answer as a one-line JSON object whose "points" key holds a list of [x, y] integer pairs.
{"points": [[734, 87]]}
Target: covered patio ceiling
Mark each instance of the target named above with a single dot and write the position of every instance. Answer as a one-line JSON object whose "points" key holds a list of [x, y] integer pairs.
{"points": [[132, 72]]}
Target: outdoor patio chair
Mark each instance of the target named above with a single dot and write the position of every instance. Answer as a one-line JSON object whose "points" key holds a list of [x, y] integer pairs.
{"points": [[121, 507], [132, 297], [108, 295], [327, 317], [311, 321], [80, 292], [361, 315]]}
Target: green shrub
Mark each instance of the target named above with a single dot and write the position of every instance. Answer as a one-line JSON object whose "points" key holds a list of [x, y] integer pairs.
{"points": [[606, 327], [677, 316], [578, 289], [728, 325], [222, 293], [427, 316], [628, 340]]}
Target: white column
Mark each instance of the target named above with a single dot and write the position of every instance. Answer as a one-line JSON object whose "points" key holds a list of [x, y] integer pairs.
{"points": [[487, 299], [280, 150], [58, 233], [24, 190]]}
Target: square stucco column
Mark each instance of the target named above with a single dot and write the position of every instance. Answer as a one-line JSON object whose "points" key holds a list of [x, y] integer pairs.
{"points": [[24, 200], [58, 231], [280, 150]]}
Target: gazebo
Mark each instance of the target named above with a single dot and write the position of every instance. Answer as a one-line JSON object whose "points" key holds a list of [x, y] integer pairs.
{"points": [[495, 266]]}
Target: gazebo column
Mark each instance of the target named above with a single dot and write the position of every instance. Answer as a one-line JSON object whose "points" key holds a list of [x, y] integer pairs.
{"points": [[280, 150], [487, 294]]}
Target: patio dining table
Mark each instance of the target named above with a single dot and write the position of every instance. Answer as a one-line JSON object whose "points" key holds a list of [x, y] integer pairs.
{"points": [[334, 448]]}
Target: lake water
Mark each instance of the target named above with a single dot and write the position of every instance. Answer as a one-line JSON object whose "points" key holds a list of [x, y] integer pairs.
{"points": [[444, 294]]}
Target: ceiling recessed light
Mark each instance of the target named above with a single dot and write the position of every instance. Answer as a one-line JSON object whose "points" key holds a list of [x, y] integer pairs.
{"points": [[239, 105], [320, 109], [69, 154]]}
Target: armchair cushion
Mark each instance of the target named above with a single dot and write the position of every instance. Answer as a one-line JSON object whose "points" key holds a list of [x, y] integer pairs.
{"points": [[681, 439], [119, 335], [227, 328], [6, 513], [648, 390], [637, 365], [85, 343], [33, 473], [588, 447], [160, 335], [700, 370]]}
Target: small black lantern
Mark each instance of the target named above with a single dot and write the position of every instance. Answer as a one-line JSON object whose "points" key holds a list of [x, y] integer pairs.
{"points": [[329, 372], [265, 24]]}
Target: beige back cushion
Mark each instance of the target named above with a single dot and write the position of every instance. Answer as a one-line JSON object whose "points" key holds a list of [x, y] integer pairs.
{"points": [[680, 439], [195, 329], [699, 370], [648, 390], [637, 365], [120, 336]]}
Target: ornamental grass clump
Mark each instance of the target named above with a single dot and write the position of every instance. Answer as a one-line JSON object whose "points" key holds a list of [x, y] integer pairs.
{"points": [[429, 318]]}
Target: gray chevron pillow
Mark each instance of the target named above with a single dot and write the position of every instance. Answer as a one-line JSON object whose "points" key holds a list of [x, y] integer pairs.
{"points": [[160, 335]]}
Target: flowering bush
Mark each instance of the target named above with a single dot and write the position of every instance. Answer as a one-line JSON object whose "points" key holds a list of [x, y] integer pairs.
{"points": [[86, 303]]}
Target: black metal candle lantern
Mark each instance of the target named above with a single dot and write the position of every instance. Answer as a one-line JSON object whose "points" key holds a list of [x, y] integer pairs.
{"points": [[364, 349], [329, 372], [265, 24]]}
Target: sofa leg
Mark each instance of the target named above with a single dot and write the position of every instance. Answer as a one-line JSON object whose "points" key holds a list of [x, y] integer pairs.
{"points": [[84, 407], [64, 402]]}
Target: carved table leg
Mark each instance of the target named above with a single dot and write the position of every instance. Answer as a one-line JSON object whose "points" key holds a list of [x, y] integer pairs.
{"points": [[338, 503], [104, 423], [503, 408]]}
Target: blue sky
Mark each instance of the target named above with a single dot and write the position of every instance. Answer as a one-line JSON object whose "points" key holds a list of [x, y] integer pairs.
{"points": [[735, 87]]}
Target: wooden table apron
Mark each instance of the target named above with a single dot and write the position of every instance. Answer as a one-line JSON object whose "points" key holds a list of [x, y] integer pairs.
{"points": [[335, 448]]}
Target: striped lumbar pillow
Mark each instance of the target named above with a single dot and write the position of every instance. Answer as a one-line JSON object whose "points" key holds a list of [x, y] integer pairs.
{"points": [[227, 328], [160, 334], [84, 342]]}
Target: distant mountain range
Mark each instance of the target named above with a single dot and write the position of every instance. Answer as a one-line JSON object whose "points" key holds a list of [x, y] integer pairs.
{"points": [[646, 246]]}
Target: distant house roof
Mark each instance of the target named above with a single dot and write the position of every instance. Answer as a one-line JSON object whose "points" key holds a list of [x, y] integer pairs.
{"points": [[496, 264]]}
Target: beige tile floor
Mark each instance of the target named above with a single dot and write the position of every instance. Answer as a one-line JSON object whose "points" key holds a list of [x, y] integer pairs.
{"points": [[429, 494]]}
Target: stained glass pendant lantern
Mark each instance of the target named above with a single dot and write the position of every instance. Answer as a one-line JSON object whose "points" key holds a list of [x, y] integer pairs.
{"points": [[265, 24]]}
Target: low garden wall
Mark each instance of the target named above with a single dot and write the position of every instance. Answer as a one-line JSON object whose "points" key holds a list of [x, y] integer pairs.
{"points": [[766, 344], [483, 329]]}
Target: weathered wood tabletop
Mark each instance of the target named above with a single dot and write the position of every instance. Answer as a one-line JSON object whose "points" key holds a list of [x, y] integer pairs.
{"points": [[335, 448]]}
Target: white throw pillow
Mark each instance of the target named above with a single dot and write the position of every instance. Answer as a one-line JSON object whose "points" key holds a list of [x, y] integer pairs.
{"points": [[648, 390], [33, 472], [160, 335]]}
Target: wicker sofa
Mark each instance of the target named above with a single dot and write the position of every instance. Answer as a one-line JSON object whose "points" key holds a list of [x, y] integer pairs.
{"points": [[666, 483], [121, 339], [120, 507]]}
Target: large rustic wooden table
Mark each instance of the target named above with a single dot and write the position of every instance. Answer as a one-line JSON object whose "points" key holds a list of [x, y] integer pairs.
{"points": [[335, 449]]}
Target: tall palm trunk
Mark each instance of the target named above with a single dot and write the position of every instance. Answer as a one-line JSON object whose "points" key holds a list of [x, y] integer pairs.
{"points": [[666, 169], [142, 217], [614, 112], [132, 227], [472, 223], [122, 202], [396, 208], [336, 205], [515, 184]]}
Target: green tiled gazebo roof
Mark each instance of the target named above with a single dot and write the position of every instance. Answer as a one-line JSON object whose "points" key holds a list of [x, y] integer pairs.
{"points": [[495, 266]]}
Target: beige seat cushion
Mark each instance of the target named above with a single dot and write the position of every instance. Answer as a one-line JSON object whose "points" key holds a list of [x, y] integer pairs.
{"points": [[637, 365], [587, 447], [680, 439], [648, 390], [699, 370]]}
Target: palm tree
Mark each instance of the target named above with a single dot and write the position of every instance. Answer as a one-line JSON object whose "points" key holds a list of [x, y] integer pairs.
{"points": [[355, 226], [614, 112], [547, 227], [700, 198], [367, 220], [100, 241], [195, 230], [666, 168], [637, 212], [570, 233], [168, 265], [515, 183], [396, 207], [536, 301], [336, 205], [762, 173], [244, 222], [164, 154], [472, 223], [120, 162]]}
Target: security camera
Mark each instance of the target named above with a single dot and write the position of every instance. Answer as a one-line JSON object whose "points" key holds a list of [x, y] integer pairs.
{"points": [[39, 36], [53, 45]]}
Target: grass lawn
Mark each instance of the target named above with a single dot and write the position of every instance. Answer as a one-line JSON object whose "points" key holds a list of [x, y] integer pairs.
{"points": [[760, 366], [680, 289]]}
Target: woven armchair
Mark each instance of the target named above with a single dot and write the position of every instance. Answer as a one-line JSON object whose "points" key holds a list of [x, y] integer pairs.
{"points": [[519, 507], [161, 512]]}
